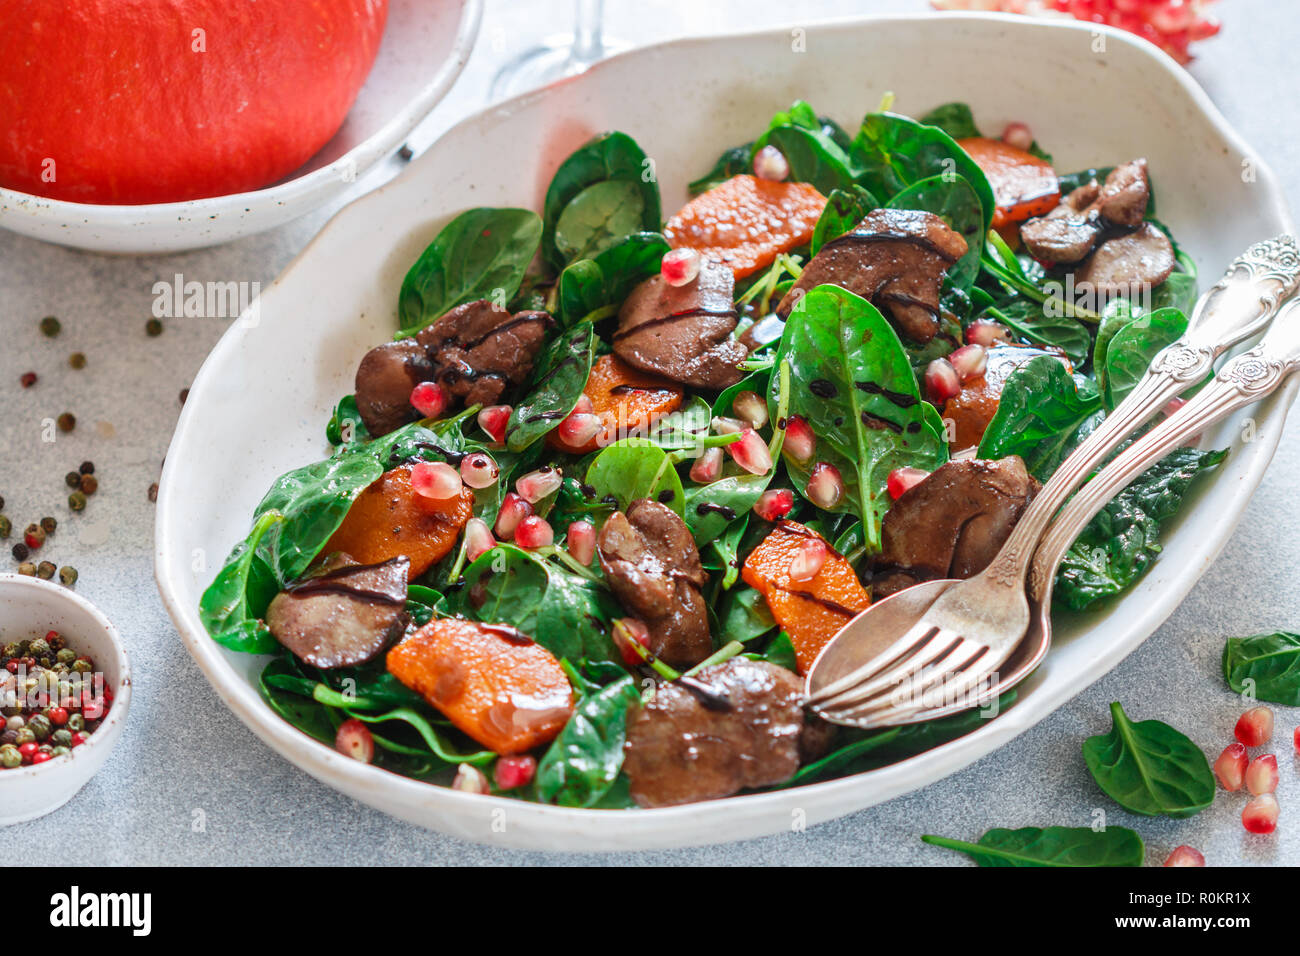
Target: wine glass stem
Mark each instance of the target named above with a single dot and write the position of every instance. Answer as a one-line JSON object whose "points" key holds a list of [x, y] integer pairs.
{"points": [[588, 15]]}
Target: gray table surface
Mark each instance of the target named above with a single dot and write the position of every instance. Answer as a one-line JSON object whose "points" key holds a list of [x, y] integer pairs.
{"points": [[184, 757]]}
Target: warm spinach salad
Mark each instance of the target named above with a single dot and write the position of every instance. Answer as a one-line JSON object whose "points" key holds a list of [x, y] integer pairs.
{"points": [[617, 480]]}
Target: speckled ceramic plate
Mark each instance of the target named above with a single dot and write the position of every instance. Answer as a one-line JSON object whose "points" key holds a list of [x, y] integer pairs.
{"points": [[426, 45], [259, 406]]}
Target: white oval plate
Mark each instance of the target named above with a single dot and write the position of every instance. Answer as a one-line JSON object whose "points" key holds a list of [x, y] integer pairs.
{"points": [[259, 405], [425, 47]]}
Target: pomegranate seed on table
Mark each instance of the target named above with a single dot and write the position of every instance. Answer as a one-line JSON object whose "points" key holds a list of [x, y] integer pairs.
{"points": [[809, 560], [680, 266], [354, 740], [708, 467], [1018, 135], [429, 399], [478, 538], [726, 426], [1260, 814], [470, 779], [478, 470], [825, 486], [534, 532], [751, 408], [436, 480], [629, 630], [536, 485], [493, 420], [987, 333], [579, 428], [580, 539], [514, 509], [941, 381], [904, 479], [1295, 739], [1185, 856], [969, 361], [1230, 768], [1261, 775], [1254, 727], [514, 772], [770, 163], [775, 504], [751, 453], [800, 442]]}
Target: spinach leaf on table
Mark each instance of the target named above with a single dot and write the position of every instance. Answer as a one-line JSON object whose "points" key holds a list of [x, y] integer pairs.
{"points": [[1043, 413], [554, 388], [594, 289], [1050, 846], [232, 607], [954, 200], [850, 378], [584, 760], [481, 254], [1149, 768], [844, 209], [1122, 540], [1130, 350], [604, 191], [1271, 662], [635, 468]]}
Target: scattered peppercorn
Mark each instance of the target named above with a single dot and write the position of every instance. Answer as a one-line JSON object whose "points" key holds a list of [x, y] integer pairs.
{"points": [[21, 551], [87, 468], [77, 359], [406, 153], [73, 479], [48, 524], [34, 536], [68, 575], [28, 569], [50, 326], [45, 570], [153, 328], [77, 501], [153, 491], [28, 379], [89, 484], [185, 393], [6, 527], [66, 422]]}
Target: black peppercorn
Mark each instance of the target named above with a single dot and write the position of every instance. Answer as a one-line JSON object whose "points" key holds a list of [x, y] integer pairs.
{"points": [[87, 468], [21, 551]]}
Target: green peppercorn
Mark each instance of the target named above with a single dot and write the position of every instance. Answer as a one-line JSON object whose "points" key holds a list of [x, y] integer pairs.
{"points": [[77, 359], [24, 735], [72, 479], [28, 569], [50, 326], [153, 328], [48, 524], [76, 723], [10, 650], [61, 750], [39, 648], [16, 723], [45, 570], [66, 422], [34, 535], [6, 527], [82, 666], [87, 468], [68, 575], [153, 492], [40, 725], [21, 551], [65, 656], [61, 737], [77, 501], [10, 757]]}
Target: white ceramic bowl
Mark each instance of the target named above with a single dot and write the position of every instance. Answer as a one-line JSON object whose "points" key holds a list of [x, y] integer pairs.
{"points": [[259, 405], [31, 607], [426, 44]]}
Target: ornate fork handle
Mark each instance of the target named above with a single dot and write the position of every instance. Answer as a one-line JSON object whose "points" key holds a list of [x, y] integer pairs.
{"points": [[1238, 306], [1243, 381]]}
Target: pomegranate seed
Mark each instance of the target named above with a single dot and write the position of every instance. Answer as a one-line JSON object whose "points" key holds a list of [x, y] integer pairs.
{"points": [[536, 485], [751, 408], [1185, 856], [513, 772], [727, 426], [470, 780], [1018, 135], [809, 559], [680, 266], [941, 381], [513, 510], [629, 630], [429, 399], [825, 487], [1172, 406], [775, 504], [534, 532], [800, 442], [1261, 775], [1260, 814], [478, 470], [1295, 738], [987, 333], [903, 480], [751, 453], [580, 539], [708, 467], [493, 421], [969, 361], [1254, 727], [436, 480], [1230, 768], [584, 406], [770, 163], [354, 740], [41, 756], [478, 538], [579, 428]]}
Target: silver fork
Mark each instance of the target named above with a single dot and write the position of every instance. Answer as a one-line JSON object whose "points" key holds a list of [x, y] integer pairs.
{"points": [[950, 637]]}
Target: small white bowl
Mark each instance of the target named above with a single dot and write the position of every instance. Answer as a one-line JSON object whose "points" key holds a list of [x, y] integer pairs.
{"points": [[30, 606], [425, 47]]}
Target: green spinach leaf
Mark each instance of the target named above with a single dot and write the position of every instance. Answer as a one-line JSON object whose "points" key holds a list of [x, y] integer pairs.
{"points": [[1271, 661], [844, 209], [732, 162], [1130, 351], [554, 388], [954, 200], [581, 765], [232, 607], [1149, 768], [955, 119], [593, 289], [1050, 846], [635, 468]]}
